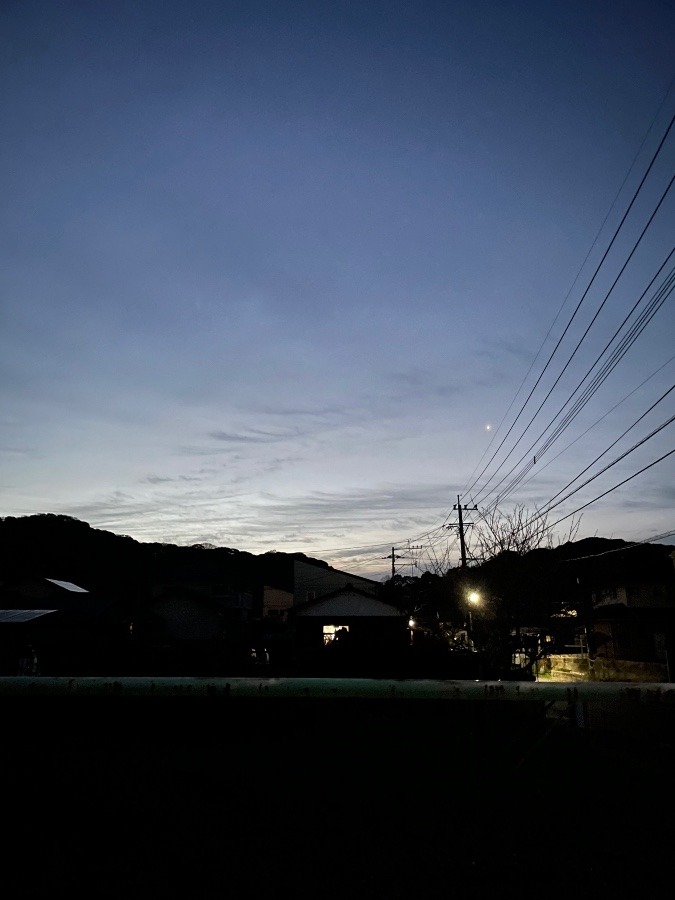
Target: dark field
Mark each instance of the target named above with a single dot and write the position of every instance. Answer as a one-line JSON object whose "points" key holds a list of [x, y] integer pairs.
{"points": [[179, 797]]}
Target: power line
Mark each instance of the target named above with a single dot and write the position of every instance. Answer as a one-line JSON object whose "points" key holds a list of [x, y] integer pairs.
{"points": [[620, 484], [431, 532], [571, 288], [626, 453], [630, 546], [582, 338], [604, 416], [609, 366], [577, 308]]}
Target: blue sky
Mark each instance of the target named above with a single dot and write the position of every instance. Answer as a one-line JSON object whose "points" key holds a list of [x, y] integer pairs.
{"points": [[281, 275]]}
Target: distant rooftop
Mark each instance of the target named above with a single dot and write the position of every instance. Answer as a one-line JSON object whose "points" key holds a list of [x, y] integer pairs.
{"points": [[22, 615], [68, 585]]}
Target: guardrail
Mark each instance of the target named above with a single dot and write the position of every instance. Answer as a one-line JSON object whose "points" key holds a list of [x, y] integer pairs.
{"points": [[334, 688]]}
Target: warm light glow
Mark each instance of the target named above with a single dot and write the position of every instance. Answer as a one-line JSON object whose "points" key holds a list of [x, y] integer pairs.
{"points": [[330, 632], [474, 597], [411, 623]]}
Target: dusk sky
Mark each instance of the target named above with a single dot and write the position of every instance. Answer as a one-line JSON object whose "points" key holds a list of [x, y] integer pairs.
{"points": [[290, 275]]}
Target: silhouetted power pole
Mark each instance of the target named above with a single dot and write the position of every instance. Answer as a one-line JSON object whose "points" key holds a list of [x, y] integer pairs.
{"points": [[413, 564], [461, 526], [393, 557]]}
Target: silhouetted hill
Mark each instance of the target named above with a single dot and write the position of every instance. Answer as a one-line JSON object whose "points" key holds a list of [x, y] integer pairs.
{"points": [[605, 556], [58, 546]]}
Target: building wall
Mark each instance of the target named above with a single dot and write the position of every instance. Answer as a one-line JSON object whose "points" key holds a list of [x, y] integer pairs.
{"points": [[631, 641], [608, 596], [650, 595], [184, 620], [578, 667], [276, 603], [373, 646], [647, 594]]}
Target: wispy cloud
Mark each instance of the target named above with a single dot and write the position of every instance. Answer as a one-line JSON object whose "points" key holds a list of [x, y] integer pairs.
{"points": [[168, 479], [327, 413], [254, 436], [18, 451]]}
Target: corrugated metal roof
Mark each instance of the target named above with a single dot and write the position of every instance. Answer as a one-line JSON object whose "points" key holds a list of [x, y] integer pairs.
{"points": [[22, 615], [68, 585]]}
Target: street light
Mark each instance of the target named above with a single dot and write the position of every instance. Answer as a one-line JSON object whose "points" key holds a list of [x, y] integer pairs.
{"points": [[474, 600]]}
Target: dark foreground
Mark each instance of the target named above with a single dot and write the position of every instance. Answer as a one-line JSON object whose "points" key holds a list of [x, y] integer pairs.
{"points": [[138, 797]]}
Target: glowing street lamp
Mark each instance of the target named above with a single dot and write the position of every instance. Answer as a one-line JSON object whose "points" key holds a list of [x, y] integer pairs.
{"points": [[474, 600]]}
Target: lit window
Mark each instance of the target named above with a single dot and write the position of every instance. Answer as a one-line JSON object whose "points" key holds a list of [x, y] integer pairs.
{"points": [[330, 632]]}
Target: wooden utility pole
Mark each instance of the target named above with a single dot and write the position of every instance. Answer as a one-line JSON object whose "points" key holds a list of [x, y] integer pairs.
{"points": [[413, 563], [393, 557], [458, 506]]}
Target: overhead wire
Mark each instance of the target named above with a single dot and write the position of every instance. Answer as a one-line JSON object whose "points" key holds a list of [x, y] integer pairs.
{"points": [[627, 341], [630, 546], [545, 509], [588, 328], [576, 310], [615, 487], [438, 532], [602, 418], [549, 506], [571, 288], [618, 353]]}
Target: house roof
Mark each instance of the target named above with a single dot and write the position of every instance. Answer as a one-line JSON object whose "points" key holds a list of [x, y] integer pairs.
{"points": [[67, 585], [329, 571], [37, 593], [348, 600], [22, 615]]}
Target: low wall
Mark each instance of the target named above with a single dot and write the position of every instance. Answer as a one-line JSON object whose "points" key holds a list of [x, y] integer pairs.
{"points": [[578, 667]]}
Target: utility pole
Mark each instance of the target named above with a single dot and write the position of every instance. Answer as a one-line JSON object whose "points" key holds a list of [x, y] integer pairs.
{"points": [[458, 506], [413, 564], [393, 557]]}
